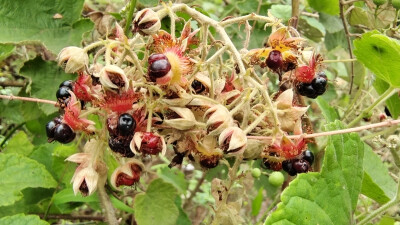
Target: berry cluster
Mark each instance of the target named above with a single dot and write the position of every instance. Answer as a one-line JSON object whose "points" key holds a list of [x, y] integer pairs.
{"points": [[167, 97], [315, 88], [301, 164]]}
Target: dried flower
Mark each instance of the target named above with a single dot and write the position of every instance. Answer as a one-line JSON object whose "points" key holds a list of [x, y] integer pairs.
{"points": [[146, 22], [233, 140], [185, 121], [113, 78], [207, 154], [72, 59], [72, 116], [218, 118], [127, 174], [148, 143]]}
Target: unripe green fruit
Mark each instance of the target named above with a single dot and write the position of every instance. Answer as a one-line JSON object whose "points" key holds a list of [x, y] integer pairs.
{"points": [[396, 4], [379, 2], [276, 178], [256, 172]]}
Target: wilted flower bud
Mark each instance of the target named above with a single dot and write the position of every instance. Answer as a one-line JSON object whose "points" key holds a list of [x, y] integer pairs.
{"points": [[85, 181], [207, 153], [232, 140], [127, 174], [148, 143], [114, 78], [184, 121], [146, 22], [72, 59], [219, 118]]}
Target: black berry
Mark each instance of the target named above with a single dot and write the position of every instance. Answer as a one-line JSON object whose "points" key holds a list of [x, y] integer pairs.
{"points": [[308, 156], [159, 66], [319, 84], [63, 133], [120, 145], [67, 83], [50, 126], [62, 93], [198, 87], [301, 166], [287, 166], [274, 60], [306, 90], [126, 124]]}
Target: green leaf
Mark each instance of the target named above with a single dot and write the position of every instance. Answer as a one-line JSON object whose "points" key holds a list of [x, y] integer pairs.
{"points": [[45, 76], [175, 177], [329, 112], [257, 202], [183, 218], [120, 205], [67, 196], [247, 6], [148, 3], [32, 21], [157, 205], [17, 173], [381, 55], [283, 12], [332, 24], [311, 28], [6, 50], [328, 197], [392, 103], [20, 144], [377, 183], [327, 6], [22, 219]]}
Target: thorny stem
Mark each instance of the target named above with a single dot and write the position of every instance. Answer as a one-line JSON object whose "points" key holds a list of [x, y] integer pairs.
{"points": [[28, 99], [93, 45], [172, 19], [255, 122], [135, 61], [339, 60], [128, 22], [329, 133], [106, 202], [216, 55], [244, 99], [387, 94], [346, 30]]}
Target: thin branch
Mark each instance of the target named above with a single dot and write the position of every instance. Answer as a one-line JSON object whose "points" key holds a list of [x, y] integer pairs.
{"points": [[128, 22], [346, 30], [108, 207], [28, 99], [11, 83], [71, 217], [195, 190], [295, 12], [329, 133]]}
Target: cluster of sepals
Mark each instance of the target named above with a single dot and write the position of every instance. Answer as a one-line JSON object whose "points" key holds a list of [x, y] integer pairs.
{"points": [[169, 98]]}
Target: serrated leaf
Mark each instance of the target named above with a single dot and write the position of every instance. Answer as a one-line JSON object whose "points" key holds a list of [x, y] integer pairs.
{"points": [[17, 173], [328, 6], [329, 112], [22, 219], [328, 197], [157, 205], [19, 144], [32, 21], [175, 177], [381, 55], [45, 76], [392, 103], [183, 218], [377, 183]]}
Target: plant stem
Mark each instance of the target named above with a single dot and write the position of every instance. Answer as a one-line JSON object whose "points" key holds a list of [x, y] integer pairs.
{"points": [[109, 209], [128, 22], [339, 60], [329, 133], [28, 99], [195, 190], [10, 134], [387, 94], [70, 217]]}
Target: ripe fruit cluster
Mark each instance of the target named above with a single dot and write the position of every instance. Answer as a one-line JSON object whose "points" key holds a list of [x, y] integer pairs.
{"points": [[301, 164], [170, 96]]}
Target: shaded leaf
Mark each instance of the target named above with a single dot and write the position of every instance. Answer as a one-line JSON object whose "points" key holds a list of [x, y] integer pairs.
{"points": [[157, 205], [311, 28], [257, 202], [32, 20], [19, 144], [45, 76], [183, 218], [328, 197], [120, 205], [6, 50], [17, 173], [329, 112], [283, 12], [381, 55], [392, 103], [22, 219], [175, 177], [377, 183]]}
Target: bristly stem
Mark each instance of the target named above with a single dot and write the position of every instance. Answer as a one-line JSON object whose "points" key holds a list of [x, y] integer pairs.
{"points": [[108, 208], [329, 133], [128, 22], [28, 99]]}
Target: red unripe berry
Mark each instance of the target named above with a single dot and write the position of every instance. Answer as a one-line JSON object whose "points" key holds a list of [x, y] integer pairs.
{"points": [[159, 66], [274, 60]]}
